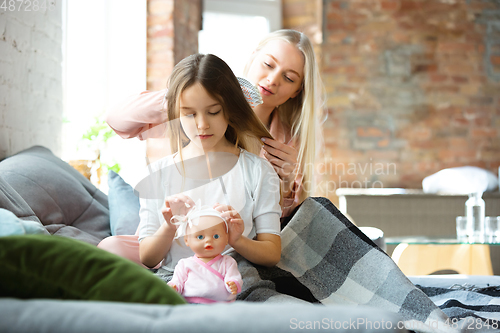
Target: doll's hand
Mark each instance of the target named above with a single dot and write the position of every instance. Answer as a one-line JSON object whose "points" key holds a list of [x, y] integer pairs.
{"points": [[234, 222], [232, 285], [283, 158], [173, 286]]}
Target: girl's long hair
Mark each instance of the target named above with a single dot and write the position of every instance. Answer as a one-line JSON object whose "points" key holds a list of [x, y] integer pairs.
{"points": [[303, 114], [244, 127]]}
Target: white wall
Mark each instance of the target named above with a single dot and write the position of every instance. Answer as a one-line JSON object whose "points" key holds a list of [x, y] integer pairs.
{"points": [[31, 97]]}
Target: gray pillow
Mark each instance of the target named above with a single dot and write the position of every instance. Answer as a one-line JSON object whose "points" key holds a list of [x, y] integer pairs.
{"points": [[58, 194], [12, 201]]}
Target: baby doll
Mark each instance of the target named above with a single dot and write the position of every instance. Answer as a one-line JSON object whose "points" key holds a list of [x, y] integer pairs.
{"points": [[207, 276]]}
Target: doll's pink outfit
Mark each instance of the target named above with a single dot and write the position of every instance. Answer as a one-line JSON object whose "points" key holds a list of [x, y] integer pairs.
{"points": [[201, 282]]}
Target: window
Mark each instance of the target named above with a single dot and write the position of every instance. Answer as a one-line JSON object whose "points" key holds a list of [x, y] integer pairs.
{"points": [[233, 28], [104, 62]]}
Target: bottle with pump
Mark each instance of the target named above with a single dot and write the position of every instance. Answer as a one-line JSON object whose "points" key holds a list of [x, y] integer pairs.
{"points": [[474, 211]]}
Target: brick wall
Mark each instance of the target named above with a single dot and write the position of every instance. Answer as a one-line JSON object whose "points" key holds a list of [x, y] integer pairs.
{"points": [[160, 42], [30, 79], [412, 86], [172, 30]]}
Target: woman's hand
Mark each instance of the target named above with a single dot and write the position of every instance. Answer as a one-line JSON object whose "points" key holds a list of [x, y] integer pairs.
{"points": [[234, 222], [283, 158]]}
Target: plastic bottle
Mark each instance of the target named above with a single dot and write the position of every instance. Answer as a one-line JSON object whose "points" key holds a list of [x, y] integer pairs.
{"points": [[474, 210]]}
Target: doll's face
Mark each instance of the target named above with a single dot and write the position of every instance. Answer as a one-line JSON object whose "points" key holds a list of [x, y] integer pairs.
{"points": [[208, 238]]}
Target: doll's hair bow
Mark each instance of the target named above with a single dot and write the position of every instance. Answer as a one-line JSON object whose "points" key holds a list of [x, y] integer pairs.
{"points": [[191, 218]]}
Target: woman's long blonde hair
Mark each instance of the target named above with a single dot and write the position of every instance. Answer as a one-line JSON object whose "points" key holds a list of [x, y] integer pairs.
{"points": [[244, 127], [303, 113]]}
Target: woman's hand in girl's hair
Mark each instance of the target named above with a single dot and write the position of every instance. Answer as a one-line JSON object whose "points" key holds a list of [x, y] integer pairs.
{"points": [[234, 222], [283, 158]]}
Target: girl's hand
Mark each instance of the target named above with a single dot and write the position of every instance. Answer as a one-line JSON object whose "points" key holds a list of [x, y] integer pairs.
{"points": [[179, 204], [234, 222], [176, 205], [283, 158], [233, 287]]}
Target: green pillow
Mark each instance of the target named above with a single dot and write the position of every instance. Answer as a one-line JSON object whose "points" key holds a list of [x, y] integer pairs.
{"points": [[44, 266]]}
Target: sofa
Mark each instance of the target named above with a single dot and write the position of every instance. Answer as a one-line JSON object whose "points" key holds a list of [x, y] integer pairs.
{"points": [[53, 278]]}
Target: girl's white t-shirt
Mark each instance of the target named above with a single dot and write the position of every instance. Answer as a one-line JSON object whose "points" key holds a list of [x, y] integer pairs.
{"points": [[252, 188]]}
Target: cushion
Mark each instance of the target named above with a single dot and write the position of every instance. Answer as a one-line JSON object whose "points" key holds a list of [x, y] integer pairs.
{"points": [[460, 180], [58, 194], [12, 201], [10, 225], [123, 206], [44, 266]]}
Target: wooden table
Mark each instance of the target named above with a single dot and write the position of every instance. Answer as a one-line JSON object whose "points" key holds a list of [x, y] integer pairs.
{"points": [[424, 255]]}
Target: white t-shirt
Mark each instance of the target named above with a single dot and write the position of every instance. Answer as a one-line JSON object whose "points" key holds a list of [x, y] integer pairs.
{"points": [[252, 188]]}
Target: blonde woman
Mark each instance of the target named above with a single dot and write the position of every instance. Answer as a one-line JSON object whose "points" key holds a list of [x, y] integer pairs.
{"points": [[284, 69]]}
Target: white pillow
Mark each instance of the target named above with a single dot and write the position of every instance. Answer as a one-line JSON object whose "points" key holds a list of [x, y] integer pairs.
{"points": [[460, 180]]}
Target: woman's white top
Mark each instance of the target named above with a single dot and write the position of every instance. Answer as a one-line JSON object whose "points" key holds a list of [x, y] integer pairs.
{"points": [[252, 188]]}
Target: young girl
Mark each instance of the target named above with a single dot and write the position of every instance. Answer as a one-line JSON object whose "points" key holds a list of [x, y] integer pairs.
{"points": [[210, 120], [207, 276]]}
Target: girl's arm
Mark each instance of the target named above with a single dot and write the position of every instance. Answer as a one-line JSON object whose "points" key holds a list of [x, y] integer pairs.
{"points": [[265, 250], [152, 249], [139, 115]]}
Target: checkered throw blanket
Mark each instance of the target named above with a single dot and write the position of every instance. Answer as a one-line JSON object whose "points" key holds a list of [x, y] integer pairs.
{"points": [[468, 307], [326, 259]]}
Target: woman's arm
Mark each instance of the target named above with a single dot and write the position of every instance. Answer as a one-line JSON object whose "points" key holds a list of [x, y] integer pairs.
{"points": [[139, 115]]}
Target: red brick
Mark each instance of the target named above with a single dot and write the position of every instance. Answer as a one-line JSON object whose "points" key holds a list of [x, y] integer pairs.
{"points": [[383, 143], [425, 68], [495, 59], [438, 77], [459, 79], [340, 69], [451, 47], [484, 133], [390, 5]]}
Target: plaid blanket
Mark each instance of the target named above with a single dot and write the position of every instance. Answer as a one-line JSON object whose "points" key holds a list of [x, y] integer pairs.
{"points": [[468, 307], [327, 259]]}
